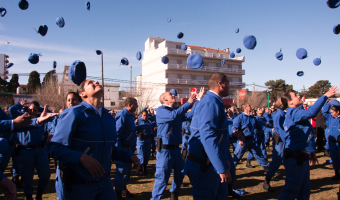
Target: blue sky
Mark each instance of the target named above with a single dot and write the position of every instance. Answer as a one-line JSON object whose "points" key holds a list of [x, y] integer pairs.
{"points": [[120, 29]]}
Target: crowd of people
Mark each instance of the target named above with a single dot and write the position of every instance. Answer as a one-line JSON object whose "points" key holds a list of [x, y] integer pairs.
{"points": [[194, 139]]}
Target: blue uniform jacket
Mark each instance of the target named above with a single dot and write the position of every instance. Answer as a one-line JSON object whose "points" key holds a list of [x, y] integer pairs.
{"points": [[169, 123], [225, 140], [278, 120], [269, 119], [186, 126], [207, 127], [81, 128], [126, 129], [262, 122], [298, 130], [146, 127], [246, 121], [333, 124]]}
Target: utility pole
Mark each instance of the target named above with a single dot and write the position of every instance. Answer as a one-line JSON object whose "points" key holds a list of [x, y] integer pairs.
{"points": [[102, 77], [130, 80]]}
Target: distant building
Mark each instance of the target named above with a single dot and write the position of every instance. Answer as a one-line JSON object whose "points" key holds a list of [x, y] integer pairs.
{"points": [[177, 75], [3, 65]]}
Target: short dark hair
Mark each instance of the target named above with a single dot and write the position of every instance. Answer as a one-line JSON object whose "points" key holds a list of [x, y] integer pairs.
{"points": [[76, 95], [215, 78], [145, 111], [243, 106], [130, 100], [35, 103], [284, 100], [81, 87], [335, 108]]}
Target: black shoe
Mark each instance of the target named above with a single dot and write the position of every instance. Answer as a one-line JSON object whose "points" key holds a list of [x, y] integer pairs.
{"points": [[266, 185], [248, 165], [232, 193], [29, 197], [17, 182], [336, 176], [127, 193], [119, 195], [145, 170], [39, 195], [174, 196]]}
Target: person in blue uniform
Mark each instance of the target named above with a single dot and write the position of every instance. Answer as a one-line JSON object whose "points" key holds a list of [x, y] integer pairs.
{"points": [[248, 125], [169, 137], [206, 165], [152, 118], [268, 115], [126, 138], [185, 137], [331, 113], [298, 132], [233, 140], [84, 144], [144, 131]]}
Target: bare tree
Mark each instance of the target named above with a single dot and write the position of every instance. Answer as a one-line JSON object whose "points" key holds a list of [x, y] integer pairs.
{"points": [[256, 99]]}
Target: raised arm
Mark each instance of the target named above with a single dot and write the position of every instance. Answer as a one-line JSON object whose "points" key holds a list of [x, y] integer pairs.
{"points": [[167, 115]]}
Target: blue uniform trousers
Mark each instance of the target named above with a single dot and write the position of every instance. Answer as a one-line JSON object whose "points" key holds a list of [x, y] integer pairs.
{"points": [[153, 142], [222, 192], [123, 172], [326, 137], [30, 158], [185, 141], [143, 150], [234, 144], [59, 185], [262, 145], [204, 185], [167, 160], [15, 166], [276, 162], [297, 182], [334, 150], [254, 148], [5, 157], [92, 191]]}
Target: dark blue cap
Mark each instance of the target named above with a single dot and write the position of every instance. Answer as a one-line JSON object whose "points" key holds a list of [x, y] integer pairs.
{"points": [[237, 30], [334, 103], [336, 29], [317, 61], [124, 61], [300, 73], [23, 4], [184, 47], [77, 72], [87, 5], [222, 62], [54, 64], [195, 61], [98, 52], [165, 60], [238, 50], [333, 3], [249, 41], [42, 30], [180, 35], [139, 55], [232, 55], [279, 55], [3, 11], [33, 58], [173, 92], [3, 145], [301, 53], [60, 22], [9, 65], [168, 19]]}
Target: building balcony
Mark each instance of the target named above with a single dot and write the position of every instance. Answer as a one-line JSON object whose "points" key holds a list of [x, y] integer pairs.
{"points": [[205, 54], [199, 82], [237, 84], [208, 69]]}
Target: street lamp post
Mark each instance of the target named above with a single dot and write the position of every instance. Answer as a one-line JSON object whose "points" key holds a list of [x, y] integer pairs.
{"points": [[101, 55], [130, 80]]}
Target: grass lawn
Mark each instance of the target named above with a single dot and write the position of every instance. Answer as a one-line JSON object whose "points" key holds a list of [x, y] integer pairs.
{"points": [[250, 180]]}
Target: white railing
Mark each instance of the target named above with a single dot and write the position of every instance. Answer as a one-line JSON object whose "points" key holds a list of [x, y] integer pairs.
{"points": [[237, 84], [205, 68], [179, 81], [176, 51], [200, 82], [230, 97]]}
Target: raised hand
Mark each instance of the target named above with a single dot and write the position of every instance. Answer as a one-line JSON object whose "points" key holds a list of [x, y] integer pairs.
{"points": [[333, 91], [22, 121], [200, 94]]}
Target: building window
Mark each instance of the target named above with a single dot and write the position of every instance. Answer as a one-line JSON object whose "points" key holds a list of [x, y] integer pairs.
{"points": [[113, 103], [178, 46]]}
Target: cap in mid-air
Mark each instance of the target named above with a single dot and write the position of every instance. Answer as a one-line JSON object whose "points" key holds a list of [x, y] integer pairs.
{"points": [[232, 55], [168, 19], [77, 72], [180, 35], [98, 52], [173, 92], [300, 73], [124, 61], [34, 58], [54, 64], [60, 22], [249, 41], [184, 47], [195, 61], [139, 55], [317, 61], [3, 11], [42, 30], [3, 145], [222, 62], [238, 50], [336, 29], [237, 30], [333, 3], [301, 53], [279, 55], [165, 60], [88, 5], [9, 65], [23, 4]]}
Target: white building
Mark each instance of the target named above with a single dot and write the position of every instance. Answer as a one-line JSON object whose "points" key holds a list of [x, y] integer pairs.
{"points": [[177, 75], [3, 64]]}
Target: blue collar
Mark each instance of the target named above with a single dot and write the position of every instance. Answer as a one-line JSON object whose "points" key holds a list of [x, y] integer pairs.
{"points": [[216, 96], [128, 112], [98, 111]]}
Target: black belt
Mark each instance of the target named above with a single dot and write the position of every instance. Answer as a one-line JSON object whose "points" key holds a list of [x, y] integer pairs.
{"points": [[78, 181], [332, 140], [196, 159], [146, 137], [166, 146], [32, 146], [125, 145], [248, 137], [187, 133]]}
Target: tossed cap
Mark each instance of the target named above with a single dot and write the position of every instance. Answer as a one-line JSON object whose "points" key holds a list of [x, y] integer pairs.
{"points": [[54, 64], [237, 30], [124, 61], [184, 47], [195, 61], [98, 52], [165, 60], [301, 53], [238, 50], [42, 30], [232, 55], [168, 19], [336, 29], [300, 73], [333, 3], [3, 145], [180, 35], [249, 41], [33, 58], [222, 62], [139, 55], [317, 61], [88, 5], [173, 92], [60, 22], [334, 103], [279, 55], [77, 72], [23, 4], [3, 11], [9, 65]]}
